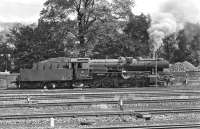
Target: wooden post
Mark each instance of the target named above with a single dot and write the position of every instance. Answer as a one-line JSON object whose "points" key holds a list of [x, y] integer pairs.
{"points": [[121, 104], [186, 79], [28, 99], [52, 123], [7, 81]]}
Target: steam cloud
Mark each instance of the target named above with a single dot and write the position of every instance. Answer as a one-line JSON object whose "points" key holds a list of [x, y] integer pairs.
{"points": [[162, 24], [170, 19]]}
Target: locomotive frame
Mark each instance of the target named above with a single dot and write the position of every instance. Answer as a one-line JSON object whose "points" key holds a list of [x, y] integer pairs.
{"points": [[65, 72]]}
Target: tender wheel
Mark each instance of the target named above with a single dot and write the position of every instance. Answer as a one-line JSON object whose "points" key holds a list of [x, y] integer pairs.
{"points": [[43, 85], [95, 84], [50, 85], [53, 85], [107, 83], [165, 84], [18, 86]]}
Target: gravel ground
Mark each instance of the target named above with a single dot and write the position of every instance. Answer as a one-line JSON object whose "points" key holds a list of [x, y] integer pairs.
{"points": [[61, 123], [100, 107]]}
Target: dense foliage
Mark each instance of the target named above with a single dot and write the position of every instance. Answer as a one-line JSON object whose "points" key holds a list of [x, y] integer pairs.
{"points": [[183, 46], [92, 28], [34, 43], [131, 41]]}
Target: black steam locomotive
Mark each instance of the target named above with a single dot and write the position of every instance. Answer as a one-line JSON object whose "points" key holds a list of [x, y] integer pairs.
{"points": [[65, 72]]}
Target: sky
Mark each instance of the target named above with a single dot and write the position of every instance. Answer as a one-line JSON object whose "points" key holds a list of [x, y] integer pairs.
{"points": [[27, 11], [147, 6], [153, 6]]}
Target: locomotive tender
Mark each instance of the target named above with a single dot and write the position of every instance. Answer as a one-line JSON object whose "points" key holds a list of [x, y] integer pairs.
{"points": [[65, 72]]}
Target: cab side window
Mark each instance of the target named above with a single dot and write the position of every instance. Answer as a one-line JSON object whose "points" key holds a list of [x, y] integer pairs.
{"points": [[66, 66], [79, 65]]}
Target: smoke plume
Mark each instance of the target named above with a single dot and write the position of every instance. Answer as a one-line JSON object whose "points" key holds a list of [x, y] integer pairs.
{"points": [[162, 24], [171, 18]]}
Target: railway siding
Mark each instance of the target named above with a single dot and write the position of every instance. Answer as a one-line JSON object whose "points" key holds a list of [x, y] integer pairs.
{"points": [[89, 102], [100, 113], [175, 126], [66, 108]]}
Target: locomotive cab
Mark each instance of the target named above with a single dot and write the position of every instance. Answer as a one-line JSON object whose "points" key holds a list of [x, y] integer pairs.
{"points": [[80, 68]]}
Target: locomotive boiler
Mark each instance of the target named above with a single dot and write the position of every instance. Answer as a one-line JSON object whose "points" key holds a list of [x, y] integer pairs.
{"points": [[65, 72]]}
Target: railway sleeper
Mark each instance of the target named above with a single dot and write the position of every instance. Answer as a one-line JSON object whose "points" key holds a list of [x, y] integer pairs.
{"points": [[87, 122]]}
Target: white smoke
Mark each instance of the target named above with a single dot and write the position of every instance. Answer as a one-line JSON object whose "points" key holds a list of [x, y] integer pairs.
{"points": [[162, 24], [170, 19]]}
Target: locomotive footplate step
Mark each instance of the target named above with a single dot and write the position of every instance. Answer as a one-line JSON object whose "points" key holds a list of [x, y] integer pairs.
{"points": [[145, 116]]}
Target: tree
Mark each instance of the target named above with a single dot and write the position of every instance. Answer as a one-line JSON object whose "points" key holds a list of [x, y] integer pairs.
{"points": [[33, 44], [130, 39], [5, 52], [59, 10], [84, 17], [136, 30], [57, 34], [169, 47], [195, 48], [183, 52]]}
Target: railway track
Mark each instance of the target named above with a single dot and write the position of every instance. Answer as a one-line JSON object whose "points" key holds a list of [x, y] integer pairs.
{"points": [[70, 103], [175, 126], [167, 111], [148, 89], [80, 90], [94, 96], [99, 94], [99, 113]]}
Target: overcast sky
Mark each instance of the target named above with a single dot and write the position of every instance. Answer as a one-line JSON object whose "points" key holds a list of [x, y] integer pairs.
{"points": [[27, 11], [20, 10]]}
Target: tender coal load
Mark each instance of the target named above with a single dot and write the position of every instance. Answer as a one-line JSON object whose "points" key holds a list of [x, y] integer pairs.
{"points": [[182, 67]]}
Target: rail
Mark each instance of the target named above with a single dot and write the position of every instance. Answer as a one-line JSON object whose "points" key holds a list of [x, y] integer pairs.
{"points": [[175, 126], [105, 94], [99, 113], [170, 89], [38, 104]]}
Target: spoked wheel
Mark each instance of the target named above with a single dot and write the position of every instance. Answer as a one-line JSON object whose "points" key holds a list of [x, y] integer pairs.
{"points": [[49, 85], [53, 85], [95, 84], [43, 85], [18, 86], [22, 85], [165, 84], [107, 83], [115, 83]]}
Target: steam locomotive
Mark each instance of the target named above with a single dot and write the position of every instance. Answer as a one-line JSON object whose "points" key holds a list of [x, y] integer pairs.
{"points": [[65, 72]]}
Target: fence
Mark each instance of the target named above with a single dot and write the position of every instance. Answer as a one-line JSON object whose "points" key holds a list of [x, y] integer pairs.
{"points": [[7, 79], [187, 77]]}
